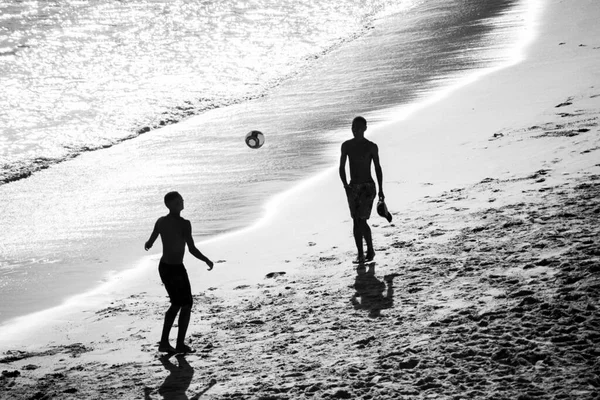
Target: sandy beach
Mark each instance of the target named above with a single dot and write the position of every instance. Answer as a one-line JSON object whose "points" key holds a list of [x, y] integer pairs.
{"points": [[485, 285]]}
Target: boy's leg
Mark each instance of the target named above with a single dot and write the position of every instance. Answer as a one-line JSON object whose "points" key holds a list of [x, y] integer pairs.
{"points": [[167, 325], [362, 230], [358, 236], [187, 300], [367, 205], [368, 240], [184, 322], [166, 276]]}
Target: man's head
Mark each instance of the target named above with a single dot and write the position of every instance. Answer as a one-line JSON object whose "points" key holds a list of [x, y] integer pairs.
{"points": [[359, 126], [174, 201]]}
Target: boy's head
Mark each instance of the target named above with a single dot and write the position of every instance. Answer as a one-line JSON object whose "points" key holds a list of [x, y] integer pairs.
{"points": [[359, 126], [174, 201]]}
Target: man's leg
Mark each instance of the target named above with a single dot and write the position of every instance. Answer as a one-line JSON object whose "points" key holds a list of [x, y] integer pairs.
{"points": [[167, 325]]}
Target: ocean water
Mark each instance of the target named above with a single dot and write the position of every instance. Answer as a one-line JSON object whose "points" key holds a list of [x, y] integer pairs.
{"points": [[107, 105]]}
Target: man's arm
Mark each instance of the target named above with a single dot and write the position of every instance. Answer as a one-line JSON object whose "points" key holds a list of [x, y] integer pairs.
{"points": [[153, 236], [378, 171], [343, 159], [192, 246]]}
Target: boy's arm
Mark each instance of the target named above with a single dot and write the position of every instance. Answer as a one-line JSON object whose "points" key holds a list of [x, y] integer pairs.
{"points": [[192, 246], [153, 236], [343, 165], [378, 171]]}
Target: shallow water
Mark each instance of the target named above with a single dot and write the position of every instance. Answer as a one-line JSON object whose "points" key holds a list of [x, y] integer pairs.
{"points": [[82, 75]]}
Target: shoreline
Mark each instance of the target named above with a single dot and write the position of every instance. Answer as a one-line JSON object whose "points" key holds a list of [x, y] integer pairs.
{"points": [[270, 209], [170, 115], [468, 284], [127, 254]]}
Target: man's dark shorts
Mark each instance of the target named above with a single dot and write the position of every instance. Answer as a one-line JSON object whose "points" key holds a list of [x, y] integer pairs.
{"points": [[177, 283], [360, 199]]}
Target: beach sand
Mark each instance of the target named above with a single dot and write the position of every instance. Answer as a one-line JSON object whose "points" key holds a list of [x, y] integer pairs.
{"points": [[485, 285]]}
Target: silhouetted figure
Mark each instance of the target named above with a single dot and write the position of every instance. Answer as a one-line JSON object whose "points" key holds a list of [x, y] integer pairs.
{"points": [[370, 290], [175, 232], [177, 383], [179, 379], [361, 191]]}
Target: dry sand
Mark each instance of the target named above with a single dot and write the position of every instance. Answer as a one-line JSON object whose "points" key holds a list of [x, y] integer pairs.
{"points": [[485, 286]]}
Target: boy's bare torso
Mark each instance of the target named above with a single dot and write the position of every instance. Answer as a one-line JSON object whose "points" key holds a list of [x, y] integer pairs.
{"points": [[360, 155], [174, 232]]}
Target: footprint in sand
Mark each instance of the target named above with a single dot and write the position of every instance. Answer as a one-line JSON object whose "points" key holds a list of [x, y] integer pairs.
{"points": [[590, 150], [565, 103]]}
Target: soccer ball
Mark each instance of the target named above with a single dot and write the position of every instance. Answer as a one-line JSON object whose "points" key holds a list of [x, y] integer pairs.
{"points": [[255, 139]]}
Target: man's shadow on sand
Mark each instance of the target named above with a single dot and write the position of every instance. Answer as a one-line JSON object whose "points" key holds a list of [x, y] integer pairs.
{"points": [[177, 383], [370, 290]]}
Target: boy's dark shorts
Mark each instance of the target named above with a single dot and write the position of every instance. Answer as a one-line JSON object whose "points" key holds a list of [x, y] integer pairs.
{"points": [[177, 283], [360, 199]]}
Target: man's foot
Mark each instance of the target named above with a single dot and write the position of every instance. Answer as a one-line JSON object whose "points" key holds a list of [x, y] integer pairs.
{"points": [[166, 348], [184, 349], [370, 255]]}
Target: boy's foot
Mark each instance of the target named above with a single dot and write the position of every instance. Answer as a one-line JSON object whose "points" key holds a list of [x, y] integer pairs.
{"points": [[370, 256], [184, 349], [359, 260], [166, 348]]}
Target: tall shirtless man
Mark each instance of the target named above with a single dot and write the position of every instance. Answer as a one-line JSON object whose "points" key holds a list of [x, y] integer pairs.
{"points": [[361, 191]]}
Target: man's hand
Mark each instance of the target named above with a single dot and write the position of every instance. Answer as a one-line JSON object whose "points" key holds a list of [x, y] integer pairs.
{"points": [[210, 265], [147, 246], [381, 195]]}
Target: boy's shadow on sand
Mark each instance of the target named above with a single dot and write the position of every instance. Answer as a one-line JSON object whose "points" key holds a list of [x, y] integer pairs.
{"points": [[371, 290], [176, 384]]}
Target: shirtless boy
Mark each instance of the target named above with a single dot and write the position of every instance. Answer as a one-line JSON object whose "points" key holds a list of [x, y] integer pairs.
{"points": [[361, 153], [175, 232]]}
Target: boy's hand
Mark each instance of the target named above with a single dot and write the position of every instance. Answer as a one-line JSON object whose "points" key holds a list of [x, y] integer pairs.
{"points": [[381, 195], [210, 265]]}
